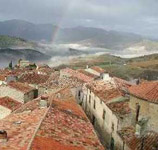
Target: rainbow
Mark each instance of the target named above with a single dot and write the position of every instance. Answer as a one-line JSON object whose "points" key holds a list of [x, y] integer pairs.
{"points": [[62, 19]]}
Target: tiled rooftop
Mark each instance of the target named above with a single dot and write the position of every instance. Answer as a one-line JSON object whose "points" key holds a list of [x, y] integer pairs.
{"points": [[62, 82], [20, 86], [87, 73], [66, 127], [135, 143], [33, 78], [106, 91], [9, 103], [78, 75], [98, 69], [146, 90], [122, 83], [20, 128], [120, 108]]}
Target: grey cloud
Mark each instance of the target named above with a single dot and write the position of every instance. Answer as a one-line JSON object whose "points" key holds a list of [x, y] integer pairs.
{"points": [[140, 16]]}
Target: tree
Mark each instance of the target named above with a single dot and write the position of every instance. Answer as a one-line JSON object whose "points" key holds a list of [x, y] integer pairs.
{"points": [[11, 65]]}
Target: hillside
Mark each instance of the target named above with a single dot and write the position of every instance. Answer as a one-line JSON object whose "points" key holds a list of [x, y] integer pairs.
{"points": [[145, 67], [6, 55], [12, 42]]}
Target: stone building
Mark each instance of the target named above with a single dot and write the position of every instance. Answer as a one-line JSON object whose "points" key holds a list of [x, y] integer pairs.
{"points": [[145, 97], [7, 106], [108, 109], [23, 63], [18, 91]]}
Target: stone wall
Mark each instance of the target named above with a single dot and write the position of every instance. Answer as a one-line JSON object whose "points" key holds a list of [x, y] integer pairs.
{"points": [[16, 95], [106, 126], [29, 96], [147, 110]]}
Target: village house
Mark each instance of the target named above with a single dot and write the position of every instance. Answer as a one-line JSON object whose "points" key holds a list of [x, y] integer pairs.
{"points": [[107, 107], [23, 63], [95, 70], [61, 125], [144, 103], [18, 91], [7, 106], [44, 70]]}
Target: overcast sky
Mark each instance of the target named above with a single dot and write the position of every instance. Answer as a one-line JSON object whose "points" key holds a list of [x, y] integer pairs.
{"points": [[139, 16]]}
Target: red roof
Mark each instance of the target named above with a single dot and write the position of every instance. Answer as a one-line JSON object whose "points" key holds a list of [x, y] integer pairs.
{"points": [[135, 143], [147, 91], [121, 108], [98, 69], [21, 86], [33, 78], [122, 83], [20, 128], [9, 103], [65, 129], [106, 91], [78, 75]]}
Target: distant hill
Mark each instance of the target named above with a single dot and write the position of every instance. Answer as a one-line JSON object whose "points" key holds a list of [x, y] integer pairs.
{"points": [[6, 55], [86, 36], [95, 37], [82, 35], [27, 30], [12, 42]]}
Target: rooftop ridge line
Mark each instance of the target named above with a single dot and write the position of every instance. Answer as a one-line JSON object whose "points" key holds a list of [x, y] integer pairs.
{"points": [[38, 126]]}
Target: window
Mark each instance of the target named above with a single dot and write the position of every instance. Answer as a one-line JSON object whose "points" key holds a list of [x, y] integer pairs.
{"points": [[104, 113], [94, 106], [79, 94], [112, 127], [100, 101], [89, 98]]}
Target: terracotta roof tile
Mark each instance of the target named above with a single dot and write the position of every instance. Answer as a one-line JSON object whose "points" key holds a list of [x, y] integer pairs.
{"points": [[98, 69], [20, 128], [135, 143], [120, 108], [21, 86], [33, 78], [78, 75], [9, 103], [106, 91], [147, 91], [64, 127]]}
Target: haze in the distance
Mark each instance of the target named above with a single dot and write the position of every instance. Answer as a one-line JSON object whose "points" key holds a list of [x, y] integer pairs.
{"points": [[138, 16]]}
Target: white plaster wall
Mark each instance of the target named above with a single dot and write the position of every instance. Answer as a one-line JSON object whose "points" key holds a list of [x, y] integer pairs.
{"points": [[92, 71], [13, 93], [4, 112]]}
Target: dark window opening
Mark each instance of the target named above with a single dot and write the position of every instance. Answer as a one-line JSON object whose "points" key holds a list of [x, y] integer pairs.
{"points": [[104, 113], [94, 104]]}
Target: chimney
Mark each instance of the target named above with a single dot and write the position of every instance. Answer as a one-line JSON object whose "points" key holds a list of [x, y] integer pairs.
{"points": [[105, 76], [44, 102], [3, 136]]}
